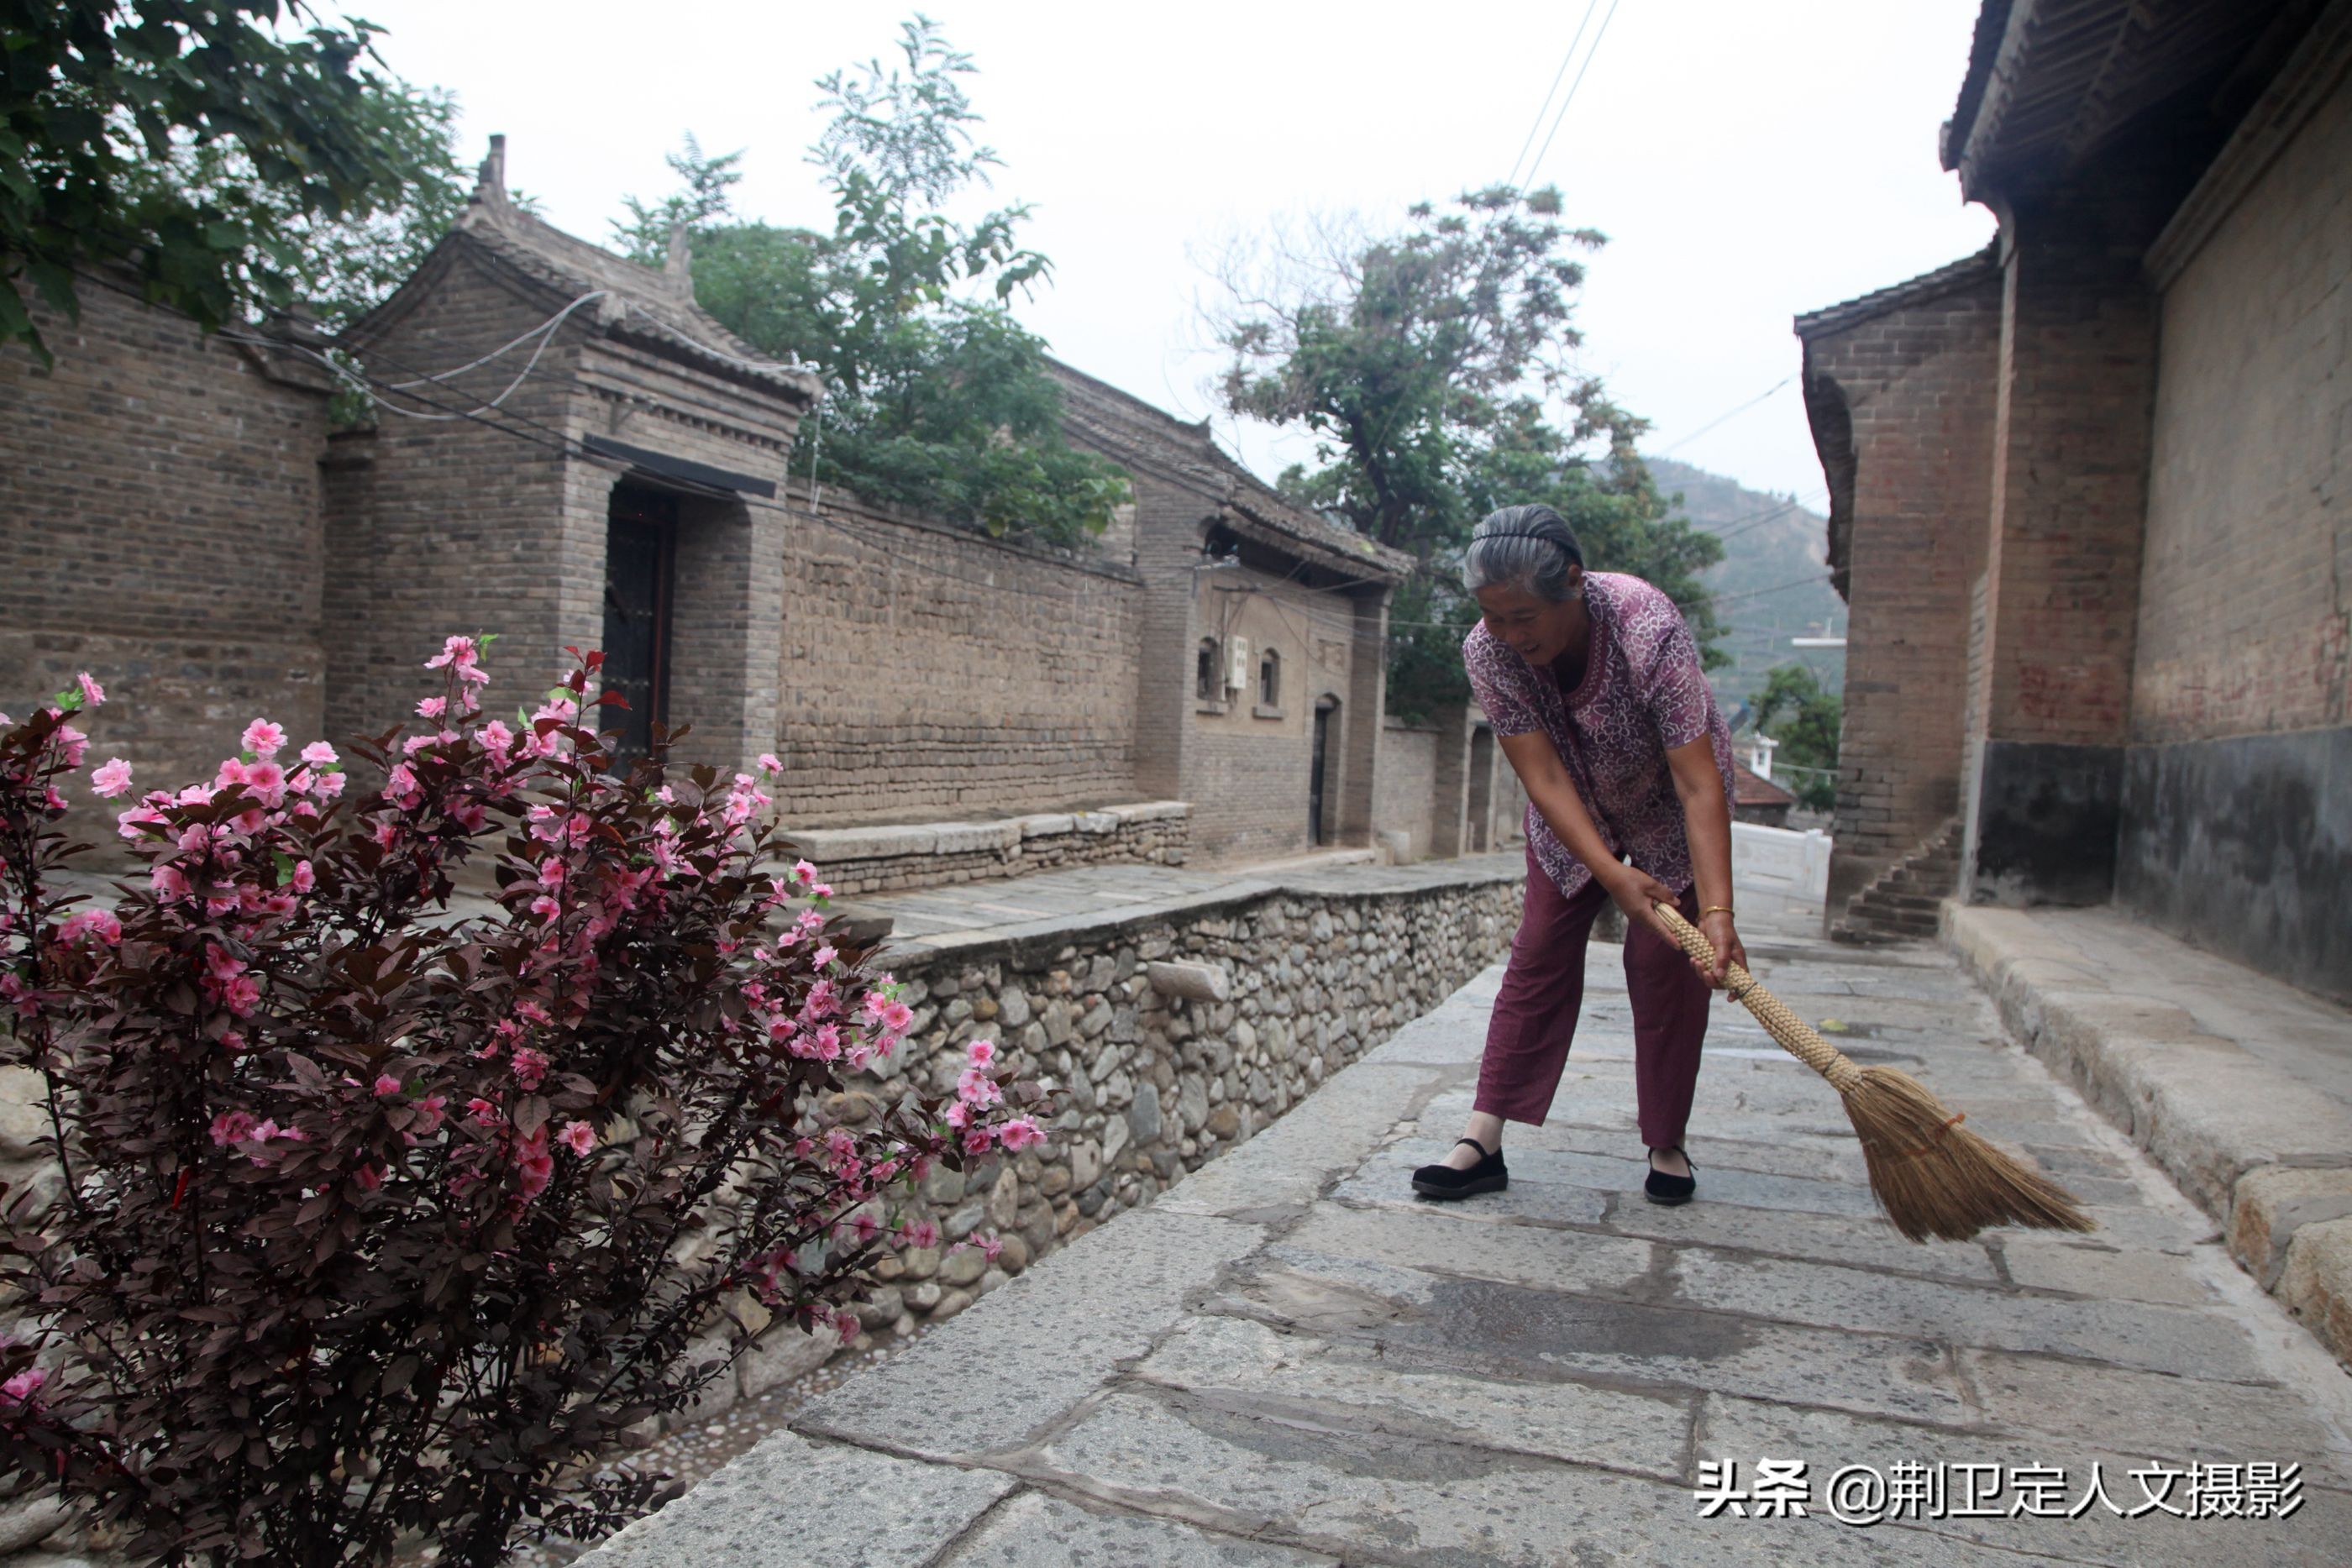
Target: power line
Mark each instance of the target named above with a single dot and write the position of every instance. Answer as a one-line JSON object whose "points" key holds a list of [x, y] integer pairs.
{"points": [[1573, 86], [1722, 418], [1566, 57]]}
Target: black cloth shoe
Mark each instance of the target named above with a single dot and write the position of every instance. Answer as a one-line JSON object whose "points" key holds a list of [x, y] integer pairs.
{"points": [[1444, 1181], [1670, 1189]]}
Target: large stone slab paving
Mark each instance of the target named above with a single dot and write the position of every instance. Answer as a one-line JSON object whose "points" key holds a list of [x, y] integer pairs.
{"points": [[1385, 1183], [1386, 1499], [2173, 1417], [1035, 1530], [1622, 1173], [1504, 1330], [2091, 1266], [1043, 1344], [1971, 1472], [1863, 1243], [790, 1502], [2123, 1333], [1242, 1363]]}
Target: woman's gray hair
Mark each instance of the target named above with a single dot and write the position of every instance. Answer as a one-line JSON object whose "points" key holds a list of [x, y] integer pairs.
{"points": [[1529, 547]]}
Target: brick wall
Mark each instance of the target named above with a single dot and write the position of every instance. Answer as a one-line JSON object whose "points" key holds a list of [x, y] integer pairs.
{"points": [[1249, 764], [1908, 393], [2243, 598], [163, 533], [1403, 793], [929, 671]]}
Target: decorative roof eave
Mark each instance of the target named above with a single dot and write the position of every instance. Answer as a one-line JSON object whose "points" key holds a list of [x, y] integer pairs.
{"points": [[2049, 82], [1129, 430], [551, 269], [1952, 277]]}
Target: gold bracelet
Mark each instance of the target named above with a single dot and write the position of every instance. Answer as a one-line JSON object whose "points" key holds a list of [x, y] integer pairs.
{"points": [[1714, 909]]}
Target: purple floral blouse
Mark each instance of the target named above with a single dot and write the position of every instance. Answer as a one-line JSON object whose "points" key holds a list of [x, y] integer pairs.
{"points": [[1643, 692]]}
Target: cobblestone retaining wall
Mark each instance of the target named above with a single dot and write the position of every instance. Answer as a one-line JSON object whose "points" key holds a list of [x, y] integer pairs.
{"points": [[1149, 1084]]}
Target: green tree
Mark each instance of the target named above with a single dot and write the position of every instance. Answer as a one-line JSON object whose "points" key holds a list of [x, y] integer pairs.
{"points": [[1795, 709], [104, 97], [1432, 366], [938, 397]]}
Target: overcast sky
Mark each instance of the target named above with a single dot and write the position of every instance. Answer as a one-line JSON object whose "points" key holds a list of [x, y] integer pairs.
{"points": [[1747, 159]]}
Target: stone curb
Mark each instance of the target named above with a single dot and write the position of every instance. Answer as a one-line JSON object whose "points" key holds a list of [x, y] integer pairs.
{"points": [[2269, 1159], [1026, 940]]}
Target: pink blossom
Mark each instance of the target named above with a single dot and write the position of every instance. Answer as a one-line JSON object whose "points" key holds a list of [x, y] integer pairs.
{"points": [[975, 1087], [241, 996], [431, 707], [863, 1227], [268, 782], [458, 650], [386, 1085], [846, 1325], [976, 1140], [496, 738], [578, 1136], [129, 823], [991, 1245], [826, 1043], [481, 1111], [768, 763], [232, 1127], [72, 744], [546, 908], [957, 1114], [839, 1144], [302, 879], [99, 923], [981, 1053], [529, 1067], [1020, 1133], [803, 873], [898, 1018], [91, 692], [821, 890], [430, 1110], [263, 738], [823, 955], [168, 882], [112, 778], [534, 1167], [820, 1001], [368, 1179], [19, 1390], [922, 1233], [318, 754], [400, 787], [327, 785]]}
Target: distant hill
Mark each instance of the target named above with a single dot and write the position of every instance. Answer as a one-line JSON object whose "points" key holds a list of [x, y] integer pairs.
{"points": [[1768, 542]]}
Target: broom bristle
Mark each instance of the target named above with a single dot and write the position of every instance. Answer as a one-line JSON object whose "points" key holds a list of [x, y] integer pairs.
{"points": [[1935, 1178]]}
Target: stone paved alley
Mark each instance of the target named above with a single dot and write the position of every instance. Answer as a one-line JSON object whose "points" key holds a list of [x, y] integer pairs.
{"points": [[1287, 1359]]}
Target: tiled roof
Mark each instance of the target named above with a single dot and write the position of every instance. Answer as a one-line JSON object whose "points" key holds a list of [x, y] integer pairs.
{"points": [[1928, 286], [653, 305], [1126, 429], [1751, 789]]}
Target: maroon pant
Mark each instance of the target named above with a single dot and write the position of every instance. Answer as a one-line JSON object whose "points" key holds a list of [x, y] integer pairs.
{"points": [[1534, 1014]]}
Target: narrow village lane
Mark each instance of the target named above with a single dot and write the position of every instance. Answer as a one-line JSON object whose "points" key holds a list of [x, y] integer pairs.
{"points": [[1288, 1358]]}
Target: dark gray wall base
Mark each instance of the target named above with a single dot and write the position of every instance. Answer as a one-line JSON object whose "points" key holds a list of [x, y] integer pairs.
{"points": [[2045, 828], [2244, 847]]}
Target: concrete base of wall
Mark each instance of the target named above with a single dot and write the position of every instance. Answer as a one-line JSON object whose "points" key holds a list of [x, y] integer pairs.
{"points": [[2244, 846], [2045, 823]]}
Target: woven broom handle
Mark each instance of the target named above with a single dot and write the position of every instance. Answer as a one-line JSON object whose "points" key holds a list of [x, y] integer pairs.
{"points": [[1795, 1035]]}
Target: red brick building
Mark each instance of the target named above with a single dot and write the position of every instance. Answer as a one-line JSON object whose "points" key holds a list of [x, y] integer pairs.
{"points": [[2087, 490]]}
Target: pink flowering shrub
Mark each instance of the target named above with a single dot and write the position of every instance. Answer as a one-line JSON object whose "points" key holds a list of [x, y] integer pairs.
{"points": [[376, 1219]]}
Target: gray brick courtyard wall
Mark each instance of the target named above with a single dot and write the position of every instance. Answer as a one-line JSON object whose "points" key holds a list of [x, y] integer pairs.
{"points": [[930, 671], [163, 533]]}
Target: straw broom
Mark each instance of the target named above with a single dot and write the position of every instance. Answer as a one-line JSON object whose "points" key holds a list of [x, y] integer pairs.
{"points": [[1931, 1176]]}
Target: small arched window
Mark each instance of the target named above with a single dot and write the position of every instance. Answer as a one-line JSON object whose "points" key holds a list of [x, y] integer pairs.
{"points": [[1206, 684], [1269, 679]]}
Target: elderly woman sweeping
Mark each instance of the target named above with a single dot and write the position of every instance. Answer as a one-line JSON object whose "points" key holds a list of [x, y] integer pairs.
{"points": [[1594, 688]]}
